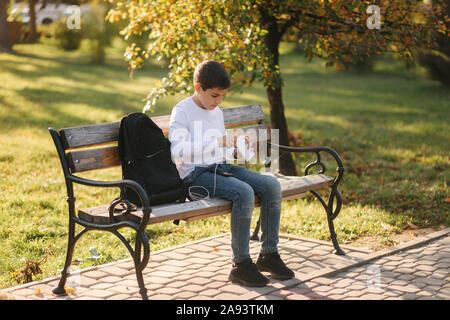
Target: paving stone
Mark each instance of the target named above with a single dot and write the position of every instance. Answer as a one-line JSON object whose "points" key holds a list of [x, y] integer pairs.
{"points": [[127, 290], [406, 288], [120, 296], [325, 281], [116, 271], [228, 296], [86, 281], [98, 274], [185, 295], [425, 268], [298, 297], [372, 296], [99, 294], [410, 296], [161, 297], [374, 290], [211, 292], [406, 277], [102, 285], [163, 274], [199, 280], [153, 279], [112, 279], [283, 293], [235, 289], [443, 295], [342, 283], [322, 289], [353, 293], [337, 291], [193, 288], [172, 255], [435, 282], [424, 274], [269, 297], [424, 293], [184, 250], [168, 290]]}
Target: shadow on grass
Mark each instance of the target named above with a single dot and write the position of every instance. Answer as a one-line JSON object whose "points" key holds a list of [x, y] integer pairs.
{"points": [[87, 85]]}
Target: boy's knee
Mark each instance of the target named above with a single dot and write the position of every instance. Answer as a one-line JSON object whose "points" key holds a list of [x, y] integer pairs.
{"points": [[245, 196], [272, 187]]}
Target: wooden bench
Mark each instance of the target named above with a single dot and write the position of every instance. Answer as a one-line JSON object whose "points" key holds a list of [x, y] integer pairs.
{"points": [[83, 148]]}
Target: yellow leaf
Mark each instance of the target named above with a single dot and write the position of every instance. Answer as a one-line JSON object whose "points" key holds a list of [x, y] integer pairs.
{"points": [[69, 290]]}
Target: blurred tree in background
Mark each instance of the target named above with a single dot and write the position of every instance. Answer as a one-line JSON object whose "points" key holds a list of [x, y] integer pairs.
{"points": [[437, 60], [245, 36], [5, 43]]}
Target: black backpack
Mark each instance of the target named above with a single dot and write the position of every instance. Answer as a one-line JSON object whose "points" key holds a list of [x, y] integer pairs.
{"points": [[146, 159]]}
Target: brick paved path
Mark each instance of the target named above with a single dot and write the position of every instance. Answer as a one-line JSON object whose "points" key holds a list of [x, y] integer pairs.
{"points": [[418, 269], [421, 273]]}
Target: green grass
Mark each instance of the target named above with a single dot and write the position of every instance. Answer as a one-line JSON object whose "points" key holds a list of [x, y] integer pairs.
{"points": [[390, 127]]}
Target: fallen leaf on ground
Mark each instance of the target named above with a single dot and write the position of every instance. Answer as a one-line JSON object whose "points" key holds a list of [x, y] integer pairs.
{"points": [[69, 290], [412, 226]]}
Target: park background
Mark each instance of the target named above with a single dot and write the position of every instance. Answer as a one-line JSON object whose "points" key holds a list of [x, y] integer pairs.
{"points": [[387, 118]]}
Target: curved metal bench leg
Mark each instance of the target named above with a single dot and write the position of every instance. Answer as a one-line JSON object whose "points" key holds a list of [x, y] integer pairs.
{"points": [[59, 289], [256, 230], [337, 248], [140, 261], [331, 216], [142, 288], [140, 264]]}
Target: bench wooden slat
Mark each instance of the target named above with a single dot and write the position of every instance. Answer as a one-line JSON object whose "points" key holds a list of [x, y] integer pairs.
{"points": [[91, 159], [96, 134], [292, 188], [243, 115]]}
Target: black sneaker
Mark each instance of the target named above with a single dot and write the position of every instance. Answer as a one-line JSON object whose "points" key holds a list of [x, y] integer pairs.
{"points": [[271, 262], [247, 274]]}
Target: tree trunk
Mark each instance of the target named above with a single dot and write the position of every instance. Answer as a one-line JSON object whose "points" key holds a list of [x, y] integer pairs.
{"points": [[5, 43], [278, 120], [32, 33], [275, 98]]}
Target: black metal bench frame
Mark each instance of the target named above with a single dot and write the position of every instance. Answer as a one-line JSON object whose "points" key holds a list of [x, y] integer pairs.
{"points": [[141, 251]]}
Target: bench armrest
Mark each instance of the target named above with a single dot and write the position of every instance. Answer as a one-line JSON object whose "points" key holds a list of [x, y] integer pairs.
{"points": [[316, 150], [146, 209]]}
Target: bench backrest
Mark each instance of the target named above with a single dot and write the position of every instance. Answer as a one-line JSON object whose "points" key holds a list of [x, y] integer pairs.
{"points": [[95, 146]]}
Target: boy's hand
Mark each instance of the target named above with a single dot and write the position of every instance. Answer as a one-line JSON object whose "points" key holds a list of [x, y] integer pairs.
{"points": [[231, 141], [222, 141]]}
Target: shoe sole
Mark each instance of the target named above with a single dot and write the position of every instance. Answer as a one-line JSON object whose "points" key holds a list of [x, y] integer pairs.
{"points": [[274, 275], [245, 283]]}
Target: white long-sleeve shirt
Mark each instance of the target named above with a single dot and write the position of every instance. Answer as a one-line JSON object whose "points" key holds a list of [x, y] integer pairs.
{"points": [[194, 134]]}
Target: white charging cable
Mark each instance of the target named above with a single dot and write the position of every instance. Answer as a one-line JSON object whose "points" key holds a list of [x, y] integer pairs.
{"points": [[197, 196]]}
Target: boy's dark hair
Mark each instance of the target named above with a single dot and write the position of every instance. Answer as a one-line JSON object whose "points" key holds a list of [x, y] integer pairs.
{"points": [[211, 74]]}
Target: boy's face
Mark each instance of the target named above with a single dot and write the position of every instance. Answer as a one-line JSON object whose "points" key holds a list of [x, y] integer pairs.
{"points": [[208, 99]]}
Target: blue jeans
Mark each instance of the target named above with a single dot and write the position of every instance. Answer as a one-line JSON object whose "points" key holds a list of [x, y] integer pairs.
{"points": [[241, 188]]}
